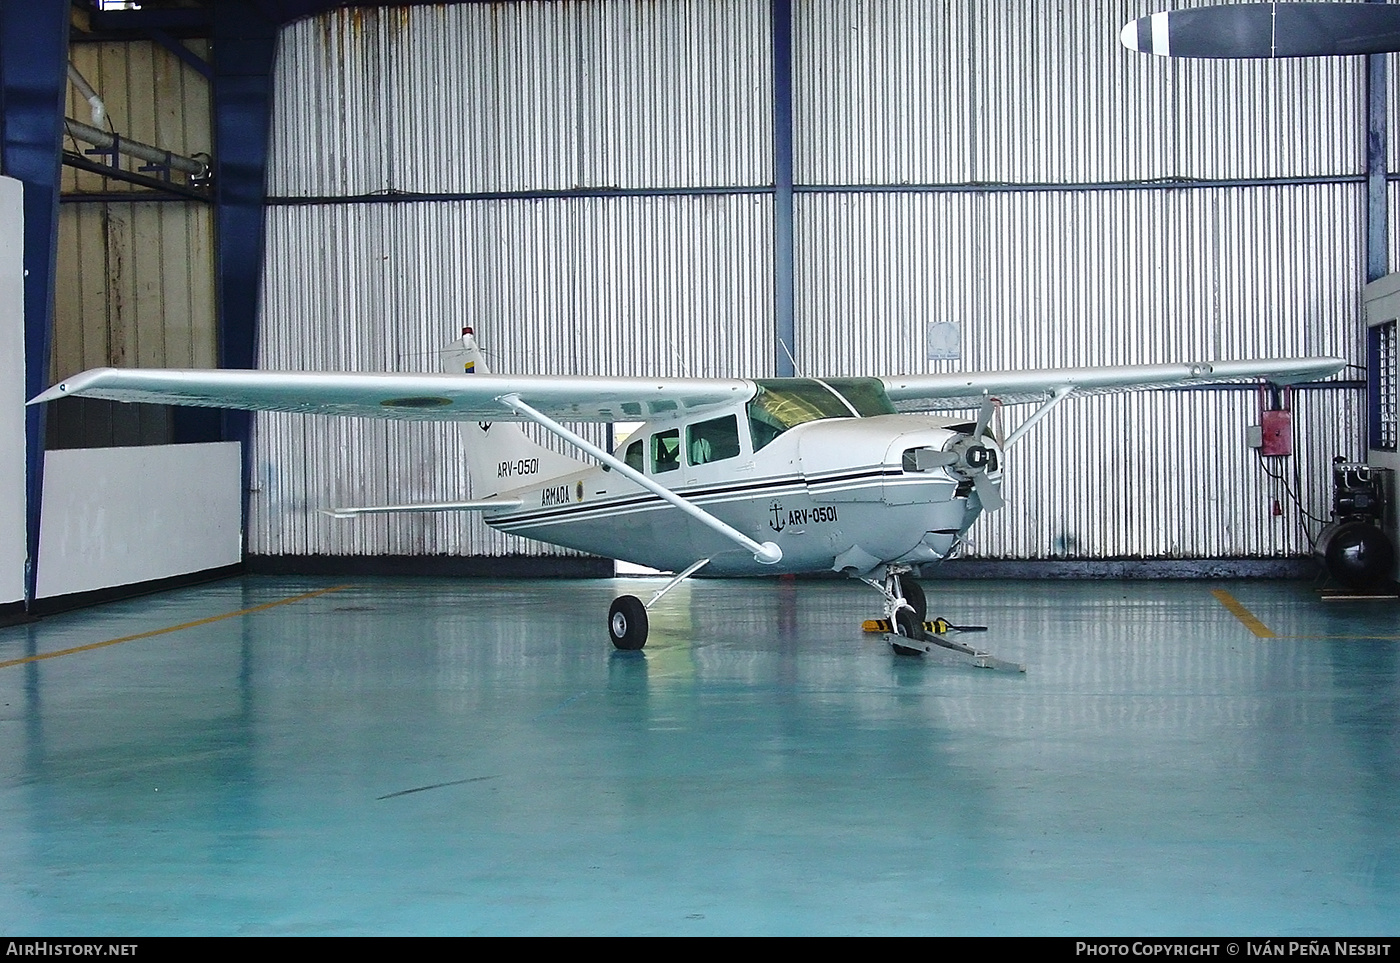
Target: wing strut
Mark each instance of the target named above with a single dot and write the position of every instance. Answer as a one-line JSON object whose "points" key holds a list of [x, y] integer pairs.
{"points": [[1053, 402], [767, 553], [480, 505]]}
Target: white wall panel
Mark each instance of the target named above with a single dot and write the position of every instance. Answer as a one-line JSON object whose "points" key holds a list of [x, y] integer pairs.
{"points": [[13, 539], [123, 516]]}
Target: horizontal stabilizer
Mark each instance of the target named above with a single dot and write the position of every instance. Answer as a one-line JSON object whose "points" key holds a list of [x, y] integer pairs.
{"points": [[482, 505], [1241, 31]]}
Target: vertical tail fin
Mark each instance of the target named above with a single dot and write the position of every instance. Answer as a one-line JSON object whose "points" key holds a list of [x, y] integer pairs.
{"points": [[499, 455]]}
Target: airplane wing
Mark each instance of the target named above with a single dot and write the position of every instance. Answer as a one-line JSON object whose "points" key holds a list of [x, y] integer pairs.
{"points": [[929, 392], [454, 397], [411, 397]]}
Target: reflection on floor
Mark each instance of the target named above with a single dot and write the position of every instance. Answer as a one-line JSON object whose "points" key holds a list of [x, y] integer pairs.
{"points": [[436, 756]]}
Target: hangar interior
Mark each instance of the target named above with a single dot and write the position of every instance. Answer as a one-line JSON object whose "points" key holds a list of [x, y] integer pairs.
{"points": [[684, 189]]}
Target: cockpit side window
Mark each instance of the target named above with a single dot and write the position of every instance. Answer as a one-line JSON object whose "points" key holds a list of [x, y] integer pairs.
{"points": [[780, 405], [666, 451], [635, 456], [714, 440]]}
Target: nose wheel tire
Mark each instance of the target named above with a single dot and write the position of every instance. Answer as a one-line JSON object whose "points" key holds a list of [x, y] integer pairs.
{"points": [[913, 593], [627, 623], [909, 626]]}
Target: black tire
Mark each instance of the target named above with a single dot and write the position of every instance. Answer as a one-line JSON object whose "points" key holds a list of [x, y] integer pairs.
{"points": [[911, 628], [627, 623], [913, 593]]}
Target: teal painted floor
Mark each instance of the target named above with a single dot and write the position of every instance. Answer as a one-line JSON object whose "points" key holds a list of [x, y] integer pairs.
{"points": [[471, 757]]}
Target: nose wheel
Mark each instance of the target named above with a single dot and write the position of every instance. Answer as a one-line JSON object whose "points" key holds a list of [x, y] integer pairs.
{"points": [[907, 624], [913, 594], [905, 608]]}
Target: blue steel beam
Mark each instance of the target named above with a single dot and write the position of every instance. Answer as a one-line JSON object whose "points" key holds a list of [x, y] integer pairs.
{"points": [[199, 64], [1377, 199], [1377, 196], [245, 47], [34, 77], [786, 348]]}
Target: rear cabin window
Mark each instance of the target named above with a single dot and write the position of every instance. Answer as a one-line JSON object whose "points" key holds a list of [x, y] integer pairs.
{"points": [[715, 440], [666, 451]]}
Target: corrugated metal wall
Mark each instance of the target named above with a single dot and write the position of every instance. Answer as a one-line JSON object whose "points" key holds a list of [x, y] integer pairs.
{"points": [[954, 161], [475, 99], [524, 97], [934, 96], [954, 91], [576, 286], [135, 279]]}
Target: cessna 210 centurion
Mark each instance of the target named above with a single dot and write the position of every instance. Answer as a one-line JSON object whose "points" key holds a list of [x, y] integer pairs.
{"points": [[741, 477]]}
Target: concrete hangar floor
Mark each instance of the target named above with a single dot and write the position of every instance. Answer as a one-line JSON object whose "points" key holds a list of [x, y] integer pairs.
{"points": [[272, 755]]}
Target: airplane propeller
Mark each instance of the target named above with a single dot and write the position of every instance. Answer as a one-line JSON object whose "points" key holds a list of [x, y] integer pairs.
{"points": [[984, 416], [979, 458], [969, 458]]}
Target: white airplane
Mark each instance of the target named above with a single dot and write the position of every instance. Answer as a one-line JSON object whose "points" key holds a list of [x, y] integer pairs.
{"points": [[742, 477]]}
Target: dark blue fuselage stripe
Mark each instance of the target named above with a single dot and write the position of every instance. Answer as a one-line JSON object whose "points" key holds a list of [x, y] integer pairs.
{"points": [[578, 511]]}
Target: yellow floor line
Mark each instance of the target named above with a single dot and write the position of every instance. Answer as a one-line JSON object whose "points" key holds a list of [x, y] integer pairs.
{"points": [[1243, 614], [173, 628]]}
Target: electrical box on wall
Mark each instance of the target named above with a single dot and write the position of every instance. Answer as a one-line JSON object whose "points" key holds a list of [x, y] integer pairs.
{"points": [[1382, 299], [1273, 436], [1276, 432]]}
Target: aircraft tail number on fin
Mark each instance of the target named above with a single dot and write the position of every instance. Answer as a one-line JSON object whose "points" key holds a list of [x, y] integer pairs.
{"points": [[500, 456]]}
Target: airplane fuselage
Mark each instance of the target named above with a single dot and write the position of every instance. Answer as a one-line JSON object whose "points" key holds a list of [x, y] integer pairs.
{"points": [[834, 493]]}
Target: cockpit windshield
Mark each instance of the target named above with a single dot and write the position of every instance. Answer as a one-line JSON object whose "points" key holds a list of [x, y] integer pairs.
{"points": [[780, 405], [866, 395]]}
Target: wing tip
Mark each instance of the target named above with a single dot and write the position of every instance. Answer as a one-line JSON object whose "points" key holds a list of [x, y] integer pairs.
{"points": [[70, 386]]}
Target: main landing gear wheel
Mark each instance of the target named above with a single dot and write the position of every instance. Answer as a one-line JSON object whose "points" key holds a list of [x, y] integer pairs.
{"points": [[909, 626], [627, 623]]}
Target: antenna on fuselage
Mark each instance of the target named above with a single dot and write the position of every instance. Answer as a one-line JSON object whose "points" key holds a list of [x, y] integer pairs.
{"points": [[793, 361]]}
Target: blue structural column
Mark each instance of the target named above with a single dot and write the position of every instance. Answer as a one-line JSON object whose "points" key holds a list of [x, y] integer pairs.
{"points": [[1377, 192], [786, 347], [33, 76], [245, 47]]}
